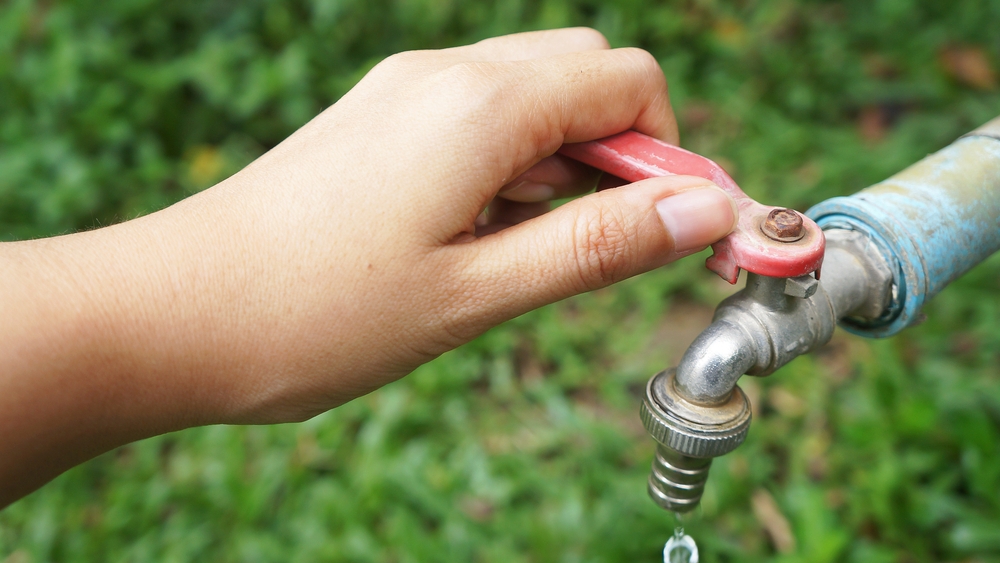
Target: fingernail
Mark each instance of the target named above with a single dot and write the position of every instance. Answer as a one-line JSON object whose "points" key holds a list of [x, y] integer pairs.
{"points": [[697, 217], [529, 192]]}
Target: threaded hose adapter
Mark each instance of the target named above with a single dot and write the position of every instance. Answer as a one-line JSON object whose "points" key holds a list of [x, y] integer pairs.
{"points": [[688, 436], [677, 481]]}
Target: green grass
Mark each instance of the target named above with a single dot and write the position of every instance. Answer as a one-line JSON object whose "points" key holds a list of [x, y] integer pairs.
{"points": [[525, 445]]}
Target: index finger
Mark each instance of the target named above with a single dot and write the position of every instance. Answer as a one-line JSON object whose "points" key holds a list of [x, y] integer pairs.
{"points": [[535, 44], [573, 97]]}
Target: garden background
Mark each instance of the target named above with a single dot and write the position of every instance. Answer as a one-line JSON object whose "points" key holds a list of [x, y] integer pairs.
{"points": [[525, 445]]}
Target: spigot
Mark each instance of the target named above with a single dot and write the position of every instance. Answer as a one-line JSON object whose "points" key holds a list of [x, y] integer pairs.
{"points": [[888, 249], [697, 412]]}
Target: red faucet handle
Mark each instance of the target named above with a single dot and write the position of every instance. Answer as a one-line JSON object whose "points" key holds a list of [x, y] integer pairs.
{"points": [[787, 244]]}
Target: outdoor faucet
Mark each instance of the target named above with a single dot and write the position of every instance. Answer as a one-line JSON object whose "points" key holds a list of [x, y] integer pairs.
{"points": [[868, 262], [697, 412]]}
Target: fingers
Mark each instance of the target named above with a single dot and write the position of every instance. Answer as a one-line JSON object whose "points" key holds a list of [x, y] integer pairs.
{"points": [[594, 241], [542, 103], [591, 95], [562, 85], [472, 126], [507, 116], [527, 196], [503, 214], [554, 177], [535, 44], [506, 48]]}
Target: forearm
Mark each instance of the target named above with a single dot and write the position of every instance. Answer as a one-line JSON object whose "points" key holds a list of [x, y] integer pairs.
{"points": [[97, 349], [173, 320]]}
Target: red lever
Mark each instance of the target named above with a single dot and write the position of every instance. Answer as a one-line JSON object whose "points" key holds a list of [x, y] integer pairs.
{"points": [[633, 156]]}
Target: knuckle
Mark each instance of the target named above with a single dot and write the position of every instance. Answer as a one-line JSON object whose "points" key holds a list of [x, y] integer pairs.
{"points": [[468, 79], [406, 66], [472, 91], [593, 37], [642, 58], [646, 63], [390, 66], [602, 246], [403, 60]]}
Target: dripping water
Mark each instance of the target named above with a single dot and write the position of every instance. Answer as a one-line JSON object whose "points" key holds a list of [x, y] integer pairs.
{"points": [[680, 548]]}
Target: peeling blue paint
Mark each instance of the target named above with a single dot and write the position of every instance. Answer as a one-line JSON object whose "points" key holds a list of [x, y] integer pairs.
{"points": [[933, 221]]}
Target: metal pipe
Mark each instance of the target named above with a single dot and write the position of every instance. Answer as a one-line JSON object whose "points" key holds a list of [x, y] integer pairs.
{"points": [[932, 222]]}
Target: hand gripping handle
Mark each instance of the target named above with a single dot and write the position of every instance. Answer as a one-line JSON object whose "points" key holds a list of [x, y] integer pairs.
{"points": [[633, 156]]}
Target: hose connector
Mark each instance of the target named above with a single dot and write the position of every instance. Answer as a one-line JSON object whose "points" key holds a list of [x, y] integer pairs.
{"points": [[688, 437]]}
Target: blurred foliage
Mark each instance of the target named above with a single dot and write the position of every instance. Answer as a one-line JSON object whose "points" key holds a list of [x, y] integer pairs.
{"points": [[525, 444]]}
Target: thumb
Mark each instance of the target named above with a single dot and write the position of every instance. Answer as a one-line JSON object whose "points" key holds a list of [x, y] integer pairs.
{"points": [[597, 240]]}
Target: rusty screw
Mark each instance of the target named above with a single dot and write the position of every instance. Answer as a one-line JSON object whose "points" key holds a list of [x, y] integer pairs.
{"points": [[783, 225]]}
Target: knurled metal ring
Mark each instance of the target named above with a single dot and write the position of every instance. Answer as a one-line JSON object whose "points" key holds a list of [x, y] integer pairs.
{"points": [[709, 436]]}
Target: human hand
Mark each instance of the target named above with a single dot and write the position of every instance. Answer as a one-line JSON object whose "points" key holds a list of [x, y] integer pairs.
{"points": [[356, 249], [370, 210]]}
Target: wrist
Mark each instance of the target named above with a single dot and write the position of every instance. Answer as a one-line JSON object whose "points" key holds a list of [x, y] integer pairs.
{"points": [[103, 346]]}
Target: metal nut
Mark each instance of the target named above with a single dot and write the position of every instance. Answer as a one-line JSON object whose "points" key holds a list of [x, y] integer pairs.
{"points": [[801, 287], [783, 225], [691, 430], [881, 289]]}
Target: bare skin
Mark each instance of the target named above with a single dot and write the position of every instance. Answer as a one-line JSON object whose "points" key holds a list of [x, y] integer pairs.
{"points": [[345, 257]]}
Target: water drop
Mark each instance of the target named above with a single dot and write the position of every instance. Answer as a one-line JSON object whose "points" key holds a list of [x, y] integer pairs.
{"points": [[680, 548]]}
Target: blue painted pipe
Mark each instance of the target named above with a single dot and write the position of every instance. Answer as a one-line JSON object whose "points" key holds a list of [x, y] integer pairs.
{"points": [[932, 222]]}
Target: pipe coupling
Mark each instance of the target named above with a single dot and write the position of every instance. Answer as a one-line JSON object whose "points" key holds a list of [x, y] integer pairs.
{"points": [[688, 437], [692, 429]]}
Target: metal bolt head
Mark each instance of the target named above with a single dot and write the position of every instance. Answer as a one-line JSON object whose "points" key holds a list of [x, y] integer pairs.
{"points": [[783, 225], [802, 287]]}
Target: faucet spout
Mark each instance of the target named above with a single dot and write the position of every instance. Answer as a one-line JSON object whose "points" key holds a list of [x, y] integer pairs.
{"points": [[709, 369]]}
